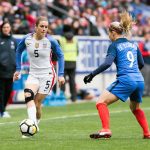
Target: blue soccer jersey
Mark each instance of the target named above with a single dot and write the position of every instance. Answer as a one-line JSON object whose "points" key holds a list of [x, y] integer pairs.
{"points": [[125, 55], [130, 82]]}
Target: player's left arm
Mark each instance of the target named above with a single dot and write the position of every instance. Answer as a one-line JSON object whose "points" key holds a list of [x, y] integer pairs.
{"points": [[58, 51], [140, 59]]}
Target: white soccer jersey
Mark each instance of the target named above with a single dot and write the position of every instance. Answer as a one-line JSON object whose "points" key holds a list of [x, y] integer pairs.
{"points": [[40, 52]]}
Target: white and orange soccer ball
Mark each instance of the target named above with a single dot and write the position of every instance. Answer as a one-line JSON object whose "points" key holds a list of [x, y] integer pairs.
{"points": [[28, 127]]}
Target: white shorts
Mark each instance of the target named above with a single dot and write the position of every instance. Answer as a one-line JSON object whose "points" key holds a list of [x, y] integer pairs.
{"points": [[44, 82]]}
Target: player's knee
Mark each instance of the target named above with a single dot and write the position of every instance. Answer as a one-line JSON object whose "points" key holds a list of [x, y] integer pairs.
{"points": [[134, 106], [29, 95], [101, 102], [100, 105]]}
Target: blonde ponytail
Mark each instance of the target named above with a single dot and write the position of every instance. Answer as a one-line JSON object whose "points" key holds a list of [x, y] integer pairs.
{"points": [[126, 22]]}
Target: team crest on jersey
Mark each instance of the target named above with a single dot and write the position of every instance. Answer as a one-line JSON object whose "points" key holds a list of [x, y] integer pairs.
{"points": [[28, 44], [36, 45]]}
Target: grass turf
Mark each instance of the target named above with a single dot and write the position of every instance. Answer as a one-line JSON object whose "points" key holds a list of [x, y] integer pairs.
{"points": [[68, 128]]}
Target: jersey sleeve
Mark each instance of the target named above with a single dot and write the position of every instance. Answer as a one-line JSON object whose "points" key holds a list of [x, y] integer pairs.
{"points": [[112, 50], [140, 59], [20, 48], [58, 51]]}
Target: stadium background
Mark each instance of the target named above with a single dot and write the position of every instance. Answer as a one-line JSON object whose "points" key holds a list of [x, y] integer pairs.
{"points": [[68, 127], [92, 51], [89, 20]]}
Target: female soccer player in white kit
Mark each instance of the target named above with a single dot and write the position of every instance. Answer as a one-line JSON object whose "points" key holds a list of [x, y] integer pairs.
{"points": [[42, 76]]}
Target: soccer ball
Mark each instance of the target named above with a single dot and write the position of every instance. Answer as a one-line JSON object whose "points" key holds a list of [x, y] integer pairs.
{"points": [[28, 127]]}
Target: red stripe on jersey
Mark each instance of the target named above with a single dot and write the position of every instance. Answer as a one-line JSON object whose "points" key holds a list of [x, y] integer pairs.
{"points": [[53, 72]]}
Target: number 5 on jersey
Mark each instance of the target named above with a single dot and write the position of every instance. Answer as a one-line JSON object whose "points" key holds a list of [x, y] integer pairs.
{"points": [[36, 54], [47, 85]]}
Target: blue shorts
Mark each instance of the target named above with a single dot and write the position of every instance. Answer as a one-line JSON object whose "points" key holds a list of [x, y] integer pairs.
{"points": [[123, 90]]}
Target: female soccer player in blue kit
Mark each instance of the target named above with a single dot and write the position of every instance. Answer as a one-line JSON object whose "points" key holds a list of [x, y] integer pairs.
{"points": [[42, 76], [129, 82]]}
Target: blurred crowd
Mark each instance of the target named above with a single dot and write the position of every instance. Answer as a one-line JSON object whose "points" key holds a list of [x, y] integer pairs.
{"points": [[86, 17]]}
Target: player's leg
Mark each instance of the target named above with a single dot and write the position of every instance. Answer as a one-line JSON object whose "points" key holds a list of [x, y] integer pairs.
{"points": [[140, 117], [38, 102], [105, 99], [119, 89], [8, 90], [46, 84], [29, 93], [2, 92], [71, 74], [31, 88], [135, 100]]}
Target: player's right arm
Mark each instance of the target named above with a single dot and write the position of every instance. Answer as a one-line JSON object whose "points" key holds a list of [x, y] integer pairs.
{"points": [[110, 57], [140, 59], [20, 48]]}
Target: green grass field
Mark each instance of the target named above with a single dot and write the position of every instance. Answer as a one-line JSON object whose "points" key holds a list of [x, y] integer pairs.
{"points": [[68, 128]]}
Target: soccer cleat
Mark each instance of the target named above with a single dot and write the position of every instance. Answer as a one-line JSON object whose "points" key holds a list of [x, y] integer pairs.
{"points": [[146, 136], [104, 133], [6, 115]]}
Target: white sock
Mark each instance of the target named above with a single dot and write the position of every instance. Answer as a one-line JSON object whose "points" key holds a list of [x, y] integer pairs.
{"points": [[38, 121], [32, 113]]}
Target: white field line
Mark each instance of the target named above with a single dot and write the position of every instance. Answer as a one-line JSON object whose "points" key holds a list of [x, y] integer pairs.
{"points": [[73, 116]]}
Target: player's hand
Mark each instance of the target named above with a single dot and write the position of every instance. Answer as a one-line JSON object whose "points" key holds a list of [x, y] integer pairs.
{"points": [[61, 81], [88, 78], [16, 75]]}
